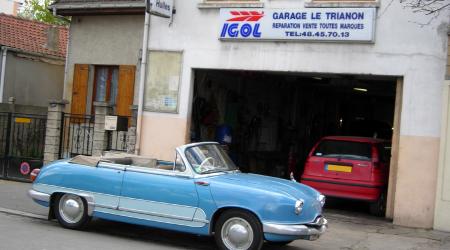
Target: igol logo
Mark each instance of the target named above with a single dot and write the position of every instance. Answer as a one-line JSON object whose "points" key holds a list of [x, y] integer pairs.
{"points": [[243, 23]]}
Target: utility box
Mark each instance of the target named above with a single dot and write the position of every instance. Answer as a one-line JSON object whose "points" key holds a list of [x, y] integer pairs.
{"points": [[116, 123]]}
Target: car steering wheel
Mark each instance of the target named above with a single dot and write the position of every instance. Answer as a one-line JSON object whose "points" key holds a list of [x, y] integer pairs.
{"points": [[201, 168]]}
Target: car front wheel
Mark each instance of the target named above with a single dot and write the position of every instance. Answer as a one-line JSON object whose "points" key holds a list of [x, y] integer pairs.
{"points": [[71, 211], [237, 229]]}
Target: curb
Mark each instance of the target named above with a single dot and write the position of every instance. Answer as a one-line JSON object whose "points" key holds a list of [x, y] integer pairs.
{"points": [[20, 213]]}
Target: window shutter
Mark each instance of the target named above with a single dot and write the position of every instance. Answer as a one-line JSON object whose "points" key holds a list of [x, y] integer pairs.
{"points": [[79, 90], [125, 93]]}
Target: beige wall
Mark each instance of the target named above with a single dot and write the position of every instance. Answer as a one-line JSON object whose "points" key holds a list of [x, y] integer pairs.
{"points": [[416, 181], [161, 134]]}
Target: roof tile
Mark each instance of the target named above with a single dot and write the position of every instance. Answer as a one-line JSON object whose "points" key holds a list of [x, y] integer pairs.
{"points": [[32, 36]]}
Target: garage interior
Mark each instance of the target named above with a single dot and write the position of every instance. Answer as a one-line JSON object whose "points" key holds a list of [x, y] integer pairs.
{"points": [[269, 121]]}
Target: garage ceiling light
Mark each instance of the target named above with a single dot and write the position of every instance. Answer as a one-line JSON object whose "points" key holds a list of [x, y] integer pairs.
{"points": [[360, 89]]}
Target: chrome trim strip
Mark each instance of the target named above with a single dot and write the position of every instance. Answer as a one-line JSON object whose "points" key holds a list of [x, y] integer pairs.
{"points": [[75, 190], [35, 195], [296, 230], [106, 206], [104, 164], [161, 215], [157, 171], [145, 219]]}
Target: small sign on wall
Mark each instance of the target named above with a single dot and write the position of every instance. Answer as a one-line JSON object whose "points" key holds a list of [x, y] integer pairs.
{"points": [[22, 120], [111, 122]]}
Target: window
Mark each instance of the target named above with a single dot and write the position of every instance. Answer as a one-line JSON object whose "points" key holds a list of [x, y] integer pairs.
{"points": [[344, 149], [105, 84], [101, 83]]}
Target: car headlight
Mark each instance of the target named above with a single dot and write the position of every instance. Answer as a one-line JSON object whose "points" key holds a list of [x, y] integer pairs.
{"points": [[322, 199], [299, 206]]}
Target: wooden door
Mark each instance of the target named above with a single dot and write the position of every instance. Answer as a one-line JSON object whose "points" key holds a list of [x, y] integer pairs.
{"points": [[80, 89], [125, 91]]}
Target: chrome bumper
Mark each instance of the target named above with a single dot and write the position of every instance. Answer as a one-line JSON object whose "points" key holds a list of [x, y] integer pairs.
{"points": [[35, 195], [310, 231]]}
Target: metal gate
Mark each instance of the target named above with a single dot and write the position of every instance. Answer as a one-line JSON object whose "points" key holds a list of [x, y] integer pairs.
{"points": [[22, 141], [77, 135]]}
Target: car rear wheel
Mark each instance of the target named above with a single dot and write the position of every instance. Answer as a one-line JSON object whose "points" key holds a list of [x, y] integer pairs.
{"points": [[237, 229], [378, 208], [71, 211]]}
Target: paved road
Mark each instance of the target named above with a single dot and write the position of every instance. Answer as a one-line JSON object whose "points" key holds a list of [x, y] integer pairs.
{"points": [[347, 231]]}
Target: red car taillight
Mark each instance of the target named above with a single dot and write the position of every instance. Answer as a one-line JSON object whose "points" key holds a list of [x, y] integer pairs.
{"points": [[375, 158], [34, 174]]}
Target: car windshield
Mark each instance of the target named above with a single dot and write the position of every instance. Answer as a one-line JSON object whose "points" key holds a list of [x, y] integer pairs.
{"points": [[209, 158], [344, 149]]}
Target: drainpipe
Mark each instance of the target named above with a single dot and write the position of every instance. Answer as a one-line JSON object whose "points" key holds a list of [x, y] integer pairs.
{"points": [[142, 78], [2, 72]]}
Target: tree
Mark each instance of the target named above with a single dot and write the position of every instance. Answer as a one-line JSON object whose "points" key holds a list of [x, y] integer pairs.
{"points": [[38, 10], [427, 7]]}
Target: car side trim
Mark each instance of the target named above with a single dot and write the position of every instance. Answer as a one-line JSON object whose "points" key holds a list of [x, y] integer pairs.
{"points": [[345, 184], [199, 216], [44, 197], [162, 215], [39, 196]]}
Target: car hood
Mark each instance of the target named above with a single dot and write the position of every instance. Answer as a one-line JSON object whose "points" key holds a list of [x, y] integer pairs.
{"points": [[287, 187]]}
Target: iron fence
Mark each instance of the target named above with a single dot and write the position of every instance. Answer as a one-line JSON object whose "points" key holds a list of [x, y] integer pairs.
{"points": [[22, 142], [118, 139], [77, 135], [5, 123]]}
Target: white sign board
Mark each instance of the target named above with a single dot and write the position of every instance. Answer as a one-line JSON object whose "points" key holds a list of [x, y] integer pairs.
{"points": [[163, 8], [310, 24], [111, 122]]}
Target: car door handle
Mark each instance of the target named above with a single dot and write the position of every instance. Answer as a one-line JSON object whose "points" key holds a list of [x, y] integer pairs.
{"points": [[202, 183]]}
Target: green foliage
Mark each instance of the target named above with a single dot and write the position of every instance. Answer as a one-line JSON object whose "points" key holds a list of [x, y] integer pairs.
{"points": [[38, 10]]}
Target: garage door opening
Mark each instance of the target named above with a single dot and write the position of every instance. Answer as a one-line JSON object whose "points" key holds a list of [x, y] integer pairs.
{"points": [[270, 121]]}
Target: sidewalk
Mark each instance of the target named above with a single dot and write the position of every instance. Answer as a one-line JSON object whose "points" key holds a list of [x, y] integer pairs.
{"points": [[346, 230]]}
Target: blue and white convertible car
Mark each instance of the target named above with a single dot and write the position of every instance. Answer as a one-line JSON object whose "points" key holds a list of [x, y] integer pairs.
{"points": [[202, 193]]}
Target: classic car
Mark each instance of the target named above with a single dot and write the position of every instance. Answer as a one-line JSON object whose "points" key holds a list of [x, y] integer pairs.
{"points": [[202, 192]]}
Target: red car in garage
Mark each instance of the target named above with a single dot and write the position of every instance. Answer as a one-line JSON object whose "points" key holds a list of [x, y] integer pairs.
{"points": [[350, 167]]}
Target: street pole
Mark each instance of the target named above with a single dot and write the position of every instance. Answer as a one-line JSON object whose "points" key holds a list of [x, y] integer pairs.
{"points": [[142, 78]]}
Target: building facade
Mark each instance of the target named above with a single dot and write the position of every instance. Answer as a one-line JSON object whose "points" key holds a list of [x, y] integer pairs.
{"points": [[32, 61], [280, 95]]}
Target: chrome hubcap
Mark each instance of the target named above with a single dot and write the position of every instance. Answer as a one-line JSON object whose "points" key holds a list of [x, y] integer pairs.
{"points": [[71, 208], [237, 234]]}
